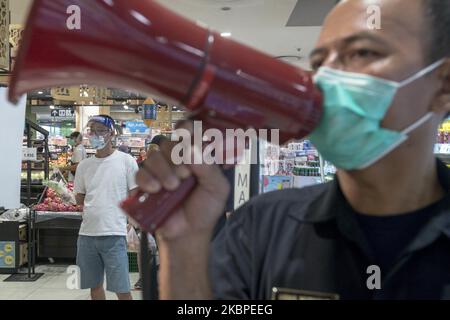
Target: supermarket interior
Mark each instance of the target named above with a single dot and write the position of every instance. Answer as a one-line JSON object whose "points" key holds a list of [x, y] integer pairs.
{"points": [[39, 238]]}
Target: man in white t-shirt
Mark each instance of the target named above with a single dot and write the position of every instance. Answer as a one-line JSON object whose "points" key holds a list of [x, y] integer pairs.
{"points": [[101, 183], [78, 154]]}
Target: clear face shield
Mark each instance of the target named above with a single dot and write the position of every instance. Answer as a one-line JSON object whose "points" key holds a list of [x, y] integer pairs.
{"points": [[100, 131]]}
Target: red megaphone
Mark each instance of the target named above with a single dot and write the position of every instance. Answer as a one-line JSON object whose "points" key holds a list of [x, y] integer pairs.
{"points": [[140, 45]]}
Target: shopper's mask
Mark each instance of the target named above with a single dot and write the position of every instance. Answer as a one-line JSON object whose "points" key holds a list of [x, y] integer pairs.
{"points": [[99, 141], [350, 133]]}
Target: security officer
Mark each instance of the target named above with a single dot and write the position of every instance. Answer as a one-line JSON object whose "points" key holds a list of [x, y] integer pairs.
{"points": [[381, 230]]}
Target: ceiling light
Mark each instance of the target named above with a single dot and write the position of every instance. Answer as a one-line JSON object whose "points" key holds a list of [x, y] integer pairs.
{"points": [[226, 34], [40, 92], [125, 107], [52, 107], [289, 58]]}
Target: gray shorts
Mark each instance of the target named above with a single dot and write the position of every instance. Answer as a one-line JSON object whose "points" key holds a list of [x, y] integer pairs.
{"points": [[99, 255]]}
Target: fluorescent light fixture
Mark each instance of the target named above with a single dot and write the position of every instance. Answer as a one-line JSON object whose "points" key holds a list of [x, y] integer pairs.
{"points": [[226, 34], [125, 107], [40, 92], [52, 107]]}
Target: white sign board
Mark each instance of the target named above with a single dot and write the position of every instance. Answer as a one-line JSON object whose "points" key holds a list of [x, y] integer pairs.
{"points": [[442, 148], [29, 154], [12, 121]]}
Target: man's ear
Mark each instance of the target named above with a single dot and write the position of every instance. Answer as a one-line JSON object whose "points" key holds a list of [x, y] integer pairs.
{"points": [[441, 102]]}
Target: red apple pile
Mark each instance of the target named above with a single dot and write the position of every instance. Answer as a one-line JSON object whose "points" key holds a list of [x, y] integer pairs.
{"points": [[53, 203]]}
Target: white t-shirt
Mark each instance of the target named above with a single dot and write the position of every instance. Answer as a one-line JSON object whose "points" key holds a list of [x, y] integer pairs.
{"points": [[78, 155], [105, 183]]}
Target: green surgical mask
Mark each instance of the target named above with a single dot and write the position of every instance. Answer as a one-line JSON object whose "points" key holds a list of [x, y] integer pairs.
{"points": [[350, 134]]}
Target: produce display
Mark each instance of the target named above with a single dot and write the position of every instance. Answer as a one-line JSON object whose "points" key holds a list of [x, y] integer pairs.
{"points": [[61, 162], [58, 200]]}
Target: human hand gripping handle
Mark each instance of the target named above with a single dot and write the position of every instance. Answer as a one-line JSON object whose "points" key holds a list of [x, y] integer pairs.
{"points": [[179, 200], [152, 210]]}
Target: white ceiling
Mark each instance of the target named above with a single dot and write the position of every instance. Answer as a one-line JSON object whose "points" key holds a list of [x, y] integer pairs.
{"points": [[259, 23]]}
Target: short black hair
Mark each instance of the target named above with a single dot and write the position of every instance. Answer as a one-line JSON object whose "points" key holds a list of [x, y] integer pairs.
{"points": [[438, 15], [75, 135], [158, 139]]}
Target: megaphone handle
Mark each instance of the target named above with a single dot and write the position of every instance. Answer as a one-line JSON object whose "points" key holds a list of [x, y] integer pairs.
{"points": [[150, 211]]}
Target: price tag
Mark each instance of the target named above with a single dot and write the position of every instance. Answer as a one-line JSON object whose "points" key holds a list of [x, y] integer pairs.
{"points": [[445, 149], [29, 154]]}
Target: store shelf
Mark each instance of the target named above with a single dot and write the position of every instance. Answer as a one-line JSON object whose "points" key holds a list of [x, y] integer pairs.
{"points": [[444, 157], [33, 184]]}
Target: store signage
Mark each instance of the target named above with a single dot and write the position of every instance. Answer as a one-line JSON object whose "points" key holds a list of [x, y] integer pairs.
{"points": [[149, 111], [62, 113], [136, 127], [442, 148], [29, 154], [242, 181], [7, 254], [81, 94]]}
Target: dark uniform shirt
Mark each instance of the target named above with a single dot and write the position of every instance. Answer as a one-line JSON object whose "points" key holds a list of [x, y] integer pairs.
{"points": [[310, 239]]}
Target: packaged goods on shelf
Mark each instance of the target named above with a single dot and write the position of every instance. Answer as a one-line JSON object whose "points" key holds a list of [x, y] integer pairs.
{"points": [[443, 135], [57, 141], [298, 162], [272, 183], [36, 177]]}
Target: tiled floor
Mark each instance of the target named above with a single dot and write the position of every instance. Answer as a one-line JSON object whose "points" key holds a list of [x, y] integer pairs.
{"points": [[51, 286]]}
